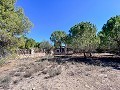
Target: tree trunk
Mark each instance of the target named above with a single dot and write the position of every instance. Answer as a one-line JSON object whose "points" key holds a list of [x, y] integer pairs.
{"points": [[60, 49], [84, 55], [118, 49], [66, 52], [90, 54]]}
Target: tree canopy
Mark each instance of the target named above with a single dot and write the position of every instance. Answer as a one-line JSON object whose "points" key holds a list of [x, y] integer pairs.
{"points": [[30, 43], [45, 45], [13, 24], [84, 37], [110, 35], [57, 37]]}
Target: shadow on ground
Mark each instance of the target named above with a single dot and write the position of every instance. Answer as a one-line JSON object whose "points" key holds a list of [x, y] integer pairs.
{"points": [[102, 61]]}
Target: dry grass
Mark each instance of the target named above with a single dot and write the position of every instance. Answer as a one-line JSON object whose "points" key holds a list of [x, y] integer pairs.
{"points": [[4, 82], [55, 71], [55, 74]]}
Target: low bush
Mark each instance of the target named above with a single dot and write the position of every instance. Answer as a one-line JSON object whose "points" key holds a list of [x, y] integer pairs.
{"points": [[55, 71]]}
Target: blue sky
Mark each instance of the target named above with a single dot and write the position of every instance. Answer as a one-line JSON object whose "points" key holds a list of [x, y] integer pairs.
{"points": [[51, 15]]}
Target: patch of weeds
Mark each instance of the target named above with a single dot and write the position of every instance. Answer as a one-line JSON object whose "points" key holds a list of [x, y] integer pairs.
{"points": [[12, 73], [39, 67], [4, 82], [22, 67], [54, 71], [15, 73], [2, 62], [16, 80], [27, 74]]}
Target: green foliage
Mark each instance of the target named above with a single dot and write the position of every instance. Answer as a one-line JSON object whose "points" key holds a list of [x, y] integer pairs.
{"points": [[22, 43], [68, 41], [13, 24], [110, 35], [45, 45], [27, 43], [58, 38], [30, 43], [37, 45], [83, 37]]}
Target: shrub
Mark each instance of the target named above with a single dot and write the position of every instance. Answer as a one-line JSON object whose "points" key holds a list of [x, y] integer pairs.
{"points": [[54, 71]]}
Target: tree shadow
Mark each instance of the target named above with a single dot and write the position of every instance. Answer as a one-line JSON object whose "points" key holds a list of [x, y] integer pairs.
{"points": [[101, 61]]}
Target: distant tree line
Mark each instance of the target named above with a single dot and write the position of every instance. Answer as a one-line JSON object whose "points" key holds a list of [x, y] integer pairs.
{"points": [[29, 43], [83, 37]]}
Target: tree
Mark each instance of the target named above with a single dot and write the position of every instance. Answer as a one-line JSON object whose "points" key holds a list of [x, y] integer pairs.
{"points": [[30, 43], [68, 41], [13, 24], [83, 37], [110, 35], [57, 37], [22, 43], [45, 46], [37, 45]]}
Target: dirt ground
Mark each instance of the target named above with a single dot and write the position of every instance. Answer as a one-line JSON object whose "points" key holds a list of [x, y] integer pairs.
{"points": [[48, 73], [28, 58]]}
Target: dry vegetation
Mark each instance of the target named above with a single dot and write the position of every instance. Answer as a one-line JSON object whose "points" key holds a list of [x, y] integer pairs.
{"points": [[63, 74]]}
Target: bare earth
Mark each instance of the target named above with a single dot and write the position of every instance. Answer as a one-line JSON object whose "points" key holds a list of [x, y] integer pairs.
{"points": [[34, 73]]}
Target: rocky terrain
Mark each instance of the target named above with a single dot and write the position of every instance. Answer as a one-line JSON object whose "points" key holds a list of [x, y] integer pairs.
{"points": [[61, 74]]}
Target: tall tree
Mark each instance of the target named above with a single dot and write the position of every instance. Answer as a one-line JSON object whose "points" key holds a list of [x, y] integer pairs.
{"points": [[110, 35], [84, 37], [57, 37], [13, 24]]}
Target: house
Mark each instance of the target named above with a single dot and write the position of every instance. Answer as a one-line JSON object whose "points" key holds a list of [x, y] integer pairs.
{"points": [[63, 51]]}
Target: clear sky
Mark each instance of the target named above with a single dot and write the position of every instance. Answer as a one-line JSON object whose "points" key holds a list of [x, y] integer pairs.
{"points": [[50, 15]]}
